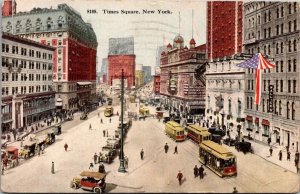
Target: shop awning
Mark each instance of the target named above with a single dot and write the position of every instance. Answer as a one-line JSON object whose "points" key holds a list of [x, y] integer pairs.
{"points": [[265, 122], [84, 83], [256, 120], [249, 118]]}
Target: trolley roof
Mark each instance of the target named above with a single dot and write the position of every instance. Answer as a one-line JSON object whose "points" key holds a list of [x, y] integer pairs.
{"points": [[196, 128], [109, 107], [216, 149]]}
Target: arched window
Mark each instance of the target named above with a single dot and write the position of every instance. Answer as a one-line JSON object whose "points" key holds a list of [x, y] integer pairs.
{"points": [[290, 46], [280, 108], [281, 47], [239, 108], [251, 102], [277, 48], [293, 110]]}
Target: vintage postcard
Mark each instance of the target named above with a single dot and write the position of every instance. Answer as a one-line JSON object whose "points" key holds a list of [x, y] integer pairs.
{"points": [[150, 96]]}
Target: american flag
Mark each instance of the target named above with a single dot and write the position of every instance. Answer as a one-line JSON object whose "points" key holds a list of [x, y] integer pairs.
{"points": [[257, 62]]}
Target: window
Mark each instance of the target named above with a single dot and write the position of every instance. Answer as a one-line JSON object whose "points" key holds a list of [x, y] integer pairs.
{"points": [[277, 30], [293, 111], [239, 108], [281, 66], [265, 33], [290, 8], [280, 108], [282, 28], [269, 30], [289, 86], [294, 86], [295, 45], [295, 25], [276, 85], [251, 102], [290, 46], [295, 65], [252, 83], [249, 82], [265, 85], [282, 11], [258, 19], [275, 106], [269, 15], [281, 85], [229, 107], [290, 26], [277, 13], [247, 102], [263, 105], [295, 7], [269, 49], [281, 47], [265, 17], [289, 65], [288, 110], [276, 66]]}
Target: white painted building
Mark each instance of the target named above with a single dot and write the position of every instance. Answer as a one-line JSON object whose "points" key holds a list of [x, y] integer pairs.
{"points": [[27, 94]]}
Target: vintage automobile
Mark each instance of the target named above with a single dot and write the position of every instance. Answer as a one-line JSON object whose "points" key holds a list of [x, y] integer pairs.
{"points": [[144, 111], [28, 149], [214, 130], [50, 137], [166, 119], [216, 138], [243, 146], [93, 181], [230, 142], [84, 116], [113, 143], [108, 154], [57, 130]]}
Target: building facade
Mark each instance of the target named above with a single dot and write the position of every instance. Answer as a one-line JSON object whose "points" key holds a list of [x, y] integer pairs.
{"points": [[224, 28], [182, 79], [74, 60], [147, 74], [27, 94], [121, 56], [139, 78], [156, 84], [104, 70], [272, 28]]}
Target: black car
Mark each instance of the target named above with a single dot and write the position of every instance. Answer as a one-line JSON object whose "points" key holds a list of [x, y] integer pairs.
{"points": [[229, 141], [158, 108], [243, 146], [177, 119], [216, 138], [214, 130], [166, 119]]}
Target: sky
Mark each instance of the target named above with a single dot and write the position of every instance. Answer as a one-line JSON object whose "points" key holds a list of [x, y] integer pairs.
{"points": [[149, 30]]}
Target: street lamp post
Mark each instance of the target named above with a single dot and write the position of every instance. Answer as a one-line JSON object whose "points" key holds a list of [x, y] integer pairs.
{"points": [[122, 167]]}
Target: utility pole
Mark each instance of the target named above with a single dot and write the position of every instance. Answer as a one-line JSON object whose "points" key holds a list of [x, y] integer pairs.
{"points": [[122, 167]]}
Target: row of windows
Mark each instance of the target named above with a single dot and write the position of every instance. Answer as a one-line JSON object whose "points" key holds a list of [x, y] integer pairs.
{"points": [[23, 64], [239, 108], [290, 107], [24, 77], [291, 86], [23, 89], [31, 53]]}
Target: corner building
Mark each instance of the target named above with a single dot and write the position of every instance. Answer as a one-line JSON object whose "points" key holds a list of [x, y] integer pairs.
{"points": [[74, 59], [27, 95], [272, 28]]}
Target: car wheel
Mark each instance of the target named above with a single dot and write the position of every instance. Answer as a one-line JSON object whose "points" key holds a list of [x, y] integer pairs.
{"points": [[97, 190]]}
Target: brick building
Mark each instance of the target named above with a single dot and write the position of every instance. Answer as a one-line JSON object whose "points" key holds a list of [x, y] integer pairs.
{"points": [[224, 28], [156, 84], [74, 60], [121, 56]]}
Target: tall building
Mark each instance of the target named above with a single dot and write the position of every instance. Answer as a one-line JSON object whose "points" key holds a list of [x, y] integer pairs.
{"points": [[74, 60], [182, 79], [147, 74], [224, 28], [121, 56], [156, 84], [104, 70], [272, 28], [27, 94], [159, 50]]}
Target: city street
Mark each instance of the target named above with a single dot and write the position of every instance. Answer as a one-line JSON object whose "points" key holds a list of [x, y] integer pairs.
{"points": [[156, 173]]}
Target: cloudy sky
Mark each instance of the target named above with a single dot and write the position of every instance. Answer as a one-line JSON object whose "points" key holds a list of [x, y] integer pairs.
{"points": [[149, 30]]}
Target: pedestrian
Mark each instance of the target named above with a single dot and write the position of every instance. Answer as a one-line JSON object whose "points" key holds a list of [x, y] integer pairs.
{"points": [[126, 161], [101, 120], [95, 158], [109, 120], [234, 190], [103, 133], [166, 148], [90, 127], [297, 155], [196, 171], [176, 151], [288, 156], [271, 150], [52, 168], [201, 172], [179, 177], [205, 159], [98, 114], [106, 132], [66, 147], [91, 166], [280, 155], [142, 154], [39, 150]]}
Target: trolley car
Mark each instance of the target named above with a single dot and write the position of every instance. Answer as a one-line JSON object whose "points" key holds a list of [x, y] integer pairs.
{"points": [[175, 131], [197, 133], [217, 158], [109, 111]]}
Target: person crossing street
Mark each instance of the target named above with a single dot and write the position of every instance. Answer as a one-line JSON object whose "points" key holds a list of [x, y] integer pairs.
{"points": [[166, 148], [142, 154]]}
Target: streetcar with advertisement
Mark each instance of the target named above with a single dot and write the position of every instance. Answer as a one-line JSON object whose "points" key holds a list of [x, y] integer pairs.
{"points": [[175, 131], [197, 133], [109, 111], [217, 158]]}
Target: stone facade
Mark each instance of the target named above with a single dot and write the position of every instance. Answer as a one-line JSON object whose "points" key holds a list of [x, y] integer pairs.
{"points": [[272, 28], [27, 94], [76, 44]]}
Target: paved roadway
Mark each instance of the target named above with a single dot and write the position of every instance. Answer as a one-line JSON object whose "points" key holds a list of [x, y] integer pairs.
{"points": [[156, 173]]}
